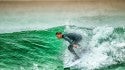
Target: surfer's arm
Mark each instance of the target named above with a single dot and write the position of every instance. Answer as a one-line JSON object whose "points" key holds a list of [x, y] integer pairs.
{"points": [[74, 44], [69, 40]]}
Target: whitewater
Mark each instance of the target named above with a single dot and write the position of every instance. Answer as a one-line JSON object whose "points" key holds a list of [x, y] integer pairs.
{"points": [[100, 48]]}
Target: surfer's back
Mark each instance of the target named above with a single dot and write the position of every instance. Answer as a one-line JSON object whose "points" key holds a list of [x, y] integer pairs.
{"points": [[73, 36]]}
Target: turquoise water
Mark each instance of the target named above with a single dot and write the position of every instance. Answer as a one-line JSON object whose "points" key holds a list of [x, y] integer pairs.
{"points": [[41, 50], [31, 50]]}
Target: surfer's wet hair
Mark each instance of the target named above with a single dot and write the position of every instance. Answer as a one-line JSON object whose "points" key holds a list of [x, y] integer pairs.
{"points": [[57, 33]]}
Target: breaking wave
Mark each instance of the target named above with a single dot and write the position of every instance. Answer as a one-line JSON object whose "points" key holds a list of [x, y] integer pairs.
{"points": [[101, 47]]}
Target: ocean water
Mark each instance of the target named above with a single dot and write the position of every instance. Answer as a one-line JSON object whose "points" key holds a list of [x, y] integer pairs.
{"points": [[31, 50], [102, 48]]}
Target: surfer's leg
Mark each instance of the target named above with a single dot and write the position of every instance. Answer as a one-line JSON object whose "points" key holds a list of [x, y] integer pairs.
{"points": [[70, 48]]}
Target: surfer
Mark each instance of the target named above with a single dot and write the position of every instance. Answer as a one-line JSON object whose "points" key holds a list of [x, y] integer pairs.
{"points": [[73, 39]]}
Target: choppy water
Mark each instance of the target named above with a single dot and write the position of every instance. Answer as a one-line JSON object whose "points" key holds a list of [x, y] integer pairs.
{"points": [[102, 48]]}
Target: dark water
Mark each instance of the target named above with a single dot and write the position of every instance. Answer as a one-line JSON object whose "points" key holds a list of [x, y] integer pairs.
{"points": [[41, 50]]}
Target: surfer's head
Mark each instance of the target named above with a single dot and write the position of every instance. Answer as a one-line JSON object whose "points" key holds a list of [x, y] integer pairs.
{"points": [[59, 35]]}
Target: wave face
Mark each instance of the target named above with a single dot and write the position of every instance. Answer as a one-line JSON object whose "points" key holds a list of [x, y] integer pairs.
{"points": [[31, 50], [102, 48]]}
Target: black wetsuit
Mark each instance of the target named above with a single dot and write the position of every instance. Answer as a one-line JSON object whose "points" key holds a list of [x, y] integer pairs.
{"points": [[72, 38]]}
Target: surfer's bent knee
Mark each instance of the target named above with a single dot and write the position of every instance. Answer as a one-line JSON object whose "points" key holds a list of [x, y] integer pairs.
{"points": [[70, 47]]}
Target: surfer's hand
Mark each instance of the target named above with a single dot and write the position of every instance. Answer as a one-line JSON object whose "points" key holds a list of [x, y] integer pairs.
{"points": [[74, 45]]}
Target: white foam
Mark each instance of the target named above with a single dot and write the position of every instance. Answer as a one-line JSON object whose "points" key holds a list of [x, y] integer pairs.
{"points": [[99, 54]]}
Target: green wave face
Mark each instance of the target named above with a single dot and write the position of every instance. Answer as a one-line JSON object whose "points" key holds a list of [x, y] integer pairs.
{"points": [[31, 50]]}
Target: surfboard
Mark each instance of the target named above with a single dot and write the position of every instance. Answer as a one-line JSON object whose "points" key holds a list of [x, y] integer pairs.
{"points": [[72, 64], [75, 62]]}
